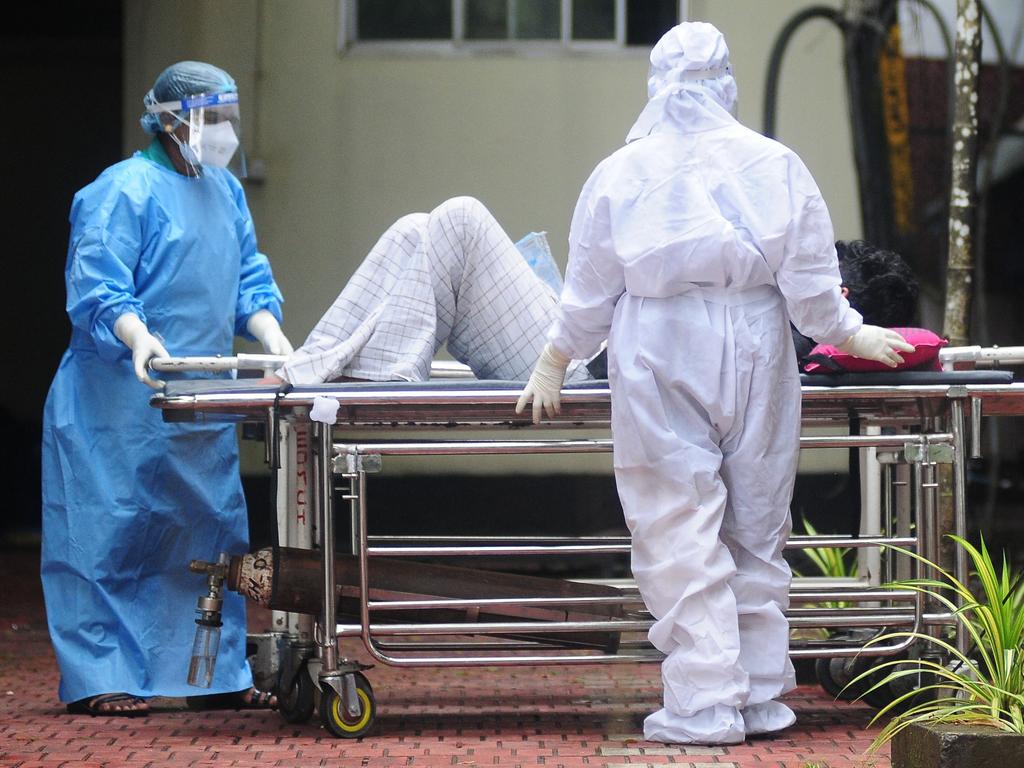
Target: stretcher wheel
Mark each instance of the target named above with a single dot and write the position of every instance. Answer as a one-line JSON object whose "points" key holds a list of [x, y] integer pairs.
{"points": [[335, 717], [883, 695], [854, 668], [835, 676], [830, 676], [296, 704], [893, 690]]}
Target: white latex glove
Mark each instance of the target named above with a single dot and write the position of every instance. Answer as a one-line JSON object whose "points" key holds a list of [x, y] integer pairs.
{"points": [[144, 346], [264, 326], [545, 384], [874, 343]]}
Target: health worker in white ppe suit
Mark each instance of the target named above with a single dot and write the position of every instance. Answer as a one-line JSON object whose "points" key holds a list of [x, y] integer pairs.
{"points": [[690, 249]]}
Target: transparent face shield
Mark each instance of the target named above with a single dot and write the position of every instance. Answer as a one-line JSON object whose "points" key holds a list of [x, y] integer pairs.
{"points": [[213, 130]]}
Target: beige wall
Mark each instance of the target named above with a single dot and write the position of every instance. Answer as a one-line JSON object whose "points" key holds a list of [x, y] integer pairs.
{"points": [[351, 141]]}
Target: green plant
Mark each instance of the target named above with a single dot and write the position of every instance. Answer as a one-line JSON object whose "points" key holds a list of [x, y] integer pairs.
{"points": [[834, 562], [984, 686]]}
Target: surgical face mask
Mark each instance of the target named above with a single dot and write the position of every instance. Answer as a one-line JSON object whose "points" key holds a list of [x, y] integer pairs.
{"points": [[217, 144]]}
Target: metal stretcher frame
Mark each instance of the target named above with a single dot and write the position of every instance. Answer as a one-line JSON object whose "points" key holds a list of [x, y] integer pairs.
{"points": [[930, 421]]}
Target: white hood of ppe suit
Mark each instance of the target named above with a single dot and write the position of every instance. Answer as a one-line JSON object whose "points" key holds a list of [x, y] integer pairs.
{"points": [[690, 83]]}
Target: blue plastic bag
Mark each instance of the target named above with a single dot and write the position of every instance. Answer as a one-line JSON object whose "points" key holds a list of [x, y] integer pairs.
{"points": [[537, 253]]}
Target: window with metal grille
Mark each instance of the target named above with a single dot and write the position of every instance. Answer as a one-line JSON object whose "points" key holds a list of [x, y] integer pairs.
{"points": [[501, 23]]}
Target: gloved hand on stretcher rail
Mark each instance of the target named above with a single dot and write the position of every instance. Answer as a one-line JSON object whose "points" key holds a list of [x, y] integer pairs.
{"points": [[264, 327], [874, 343], [545, 384], [144, 346]]}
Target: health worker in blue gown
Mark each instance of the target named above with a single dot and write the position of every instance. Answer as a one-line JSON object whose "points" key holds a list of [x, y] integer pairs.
{"points": [[162, 261]]}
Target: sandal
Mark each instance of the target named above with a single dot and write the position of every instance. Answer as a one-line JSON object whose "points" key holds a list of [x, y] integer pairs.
{"points": [[253, 698], [94, 706]]}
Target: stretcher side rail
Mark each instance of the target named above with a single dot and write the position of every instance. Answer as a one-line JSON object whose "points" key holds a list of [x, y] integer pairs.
{"points": [[948, 358], [797, 542], [439, 369], [408, 405], [348, 463]]}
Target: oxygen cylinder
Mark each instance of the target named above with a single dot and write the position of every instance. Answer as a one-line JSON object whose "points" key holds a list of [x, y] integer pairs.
{"points": [[288, 579]]}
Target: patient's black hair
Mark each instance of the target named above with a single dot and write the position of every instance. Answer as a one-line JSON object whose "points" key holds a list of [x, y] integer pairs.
{"points": [[881, 285]]}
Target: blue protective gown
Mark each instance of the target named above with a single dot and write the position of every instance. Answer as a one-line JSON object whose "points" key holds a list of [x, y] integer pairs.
{"points": [[127, 499]]}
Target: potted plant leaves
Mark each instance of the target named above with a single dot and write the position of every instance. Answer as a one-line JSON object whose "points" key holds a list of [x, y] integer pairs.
{"points": [[969, 712]]}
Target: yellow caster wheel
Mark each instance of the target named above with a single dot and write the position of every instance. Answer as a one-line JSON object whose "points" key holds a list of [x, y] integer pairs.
{"points": [[335, 716]]}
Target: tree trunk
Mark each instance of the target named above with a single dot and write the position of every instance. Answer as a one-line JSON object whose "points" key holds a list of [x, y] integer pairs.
{"points": [[960, 266]]}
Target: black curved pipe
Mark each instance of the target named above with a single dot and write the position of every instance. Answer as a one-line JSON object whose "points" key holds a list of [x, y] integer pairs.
{"points": [[778, 51]]}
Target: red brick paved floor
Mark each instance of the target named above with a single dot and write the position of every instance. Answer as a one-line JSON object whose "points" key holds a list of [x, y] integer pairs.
{"points": [[519, 716]]}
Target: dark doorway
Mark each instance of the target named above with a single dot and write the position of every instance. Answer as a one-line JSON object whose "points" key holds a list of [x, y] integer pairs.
{"points": [[60, 66]]}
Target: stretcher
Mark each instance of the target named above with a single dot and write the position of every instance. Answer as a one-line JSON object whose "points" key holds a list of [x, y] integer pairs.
{"points": [[409, 609]]}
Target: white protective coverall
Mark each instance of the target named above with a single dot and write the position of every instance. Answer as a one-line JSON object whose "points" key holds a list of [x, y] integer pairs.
{"points": [[691, 248]]}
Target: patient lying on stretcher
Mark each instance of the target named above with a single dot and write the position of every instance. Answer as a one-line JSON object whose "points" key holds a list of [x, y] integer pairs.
{"points": [[454, 278]]}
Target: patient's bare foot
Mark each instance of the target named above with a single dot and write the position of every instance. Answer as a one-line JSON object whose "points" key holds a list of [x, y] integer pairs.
{"points": [[272, 379]]}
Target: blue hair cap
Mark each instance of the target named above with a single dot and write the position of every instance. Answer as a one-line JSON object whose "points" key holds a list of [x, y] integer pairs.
{"points": [[181, 80]]}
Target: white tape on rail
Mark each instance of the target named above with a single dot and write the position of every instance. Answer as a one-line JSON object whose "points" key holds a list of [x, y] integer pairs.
{"points": [[325, 410]]}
